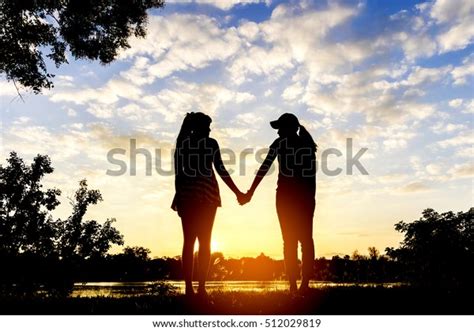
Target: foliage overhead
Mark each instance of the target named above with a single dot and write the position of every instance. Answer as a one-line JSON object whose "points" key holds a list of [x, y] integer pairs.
{"points": [[88, 29]]}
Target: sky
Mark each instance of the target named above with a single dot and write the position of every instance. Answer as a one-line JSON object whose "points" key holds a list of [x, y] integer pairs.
{"points": [[392, 77]]}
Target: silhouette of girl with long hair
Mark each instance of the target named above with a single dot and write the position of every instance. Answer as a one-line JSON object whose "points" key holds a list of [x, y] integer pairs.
{"points": [[197, 192], [295, 195]]}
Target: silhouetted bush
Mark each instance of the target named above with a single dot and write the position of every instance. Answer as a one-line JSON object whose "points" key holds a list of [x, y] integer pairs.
{"points": [[438, 249]]}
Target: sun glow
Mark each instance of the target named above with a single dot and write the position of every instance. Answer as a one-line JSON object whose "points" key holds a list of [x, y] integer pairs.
{"points": [[215, 246]]}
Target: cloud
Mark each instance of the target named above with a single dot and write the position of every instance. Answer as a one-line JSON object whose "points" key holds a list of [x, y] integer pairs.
{"points": [[397, 136], [392, 178], [249, 118], [109, 94], [293, 92], [434, 169], [138, 73], [413, 93], [63, 81], [446, 11], [173, 102], [455, 103], [102, 102], [469, 107], [465, 105], [415, 187], [438, 27], [7, 89], [462, 170], [463, 138], [465, 152], [416, 44], [360, 92], [461, 73], [457, 18], [294, 40], [70, 112], [233, 132], [458, 36], [122, 98], [221, 4], [441, 127], [420, 75], [258, 61], [170, 48], [185, 96], [250, 31], [295, 35], [78, 147], [412, 33], [22, 120]]}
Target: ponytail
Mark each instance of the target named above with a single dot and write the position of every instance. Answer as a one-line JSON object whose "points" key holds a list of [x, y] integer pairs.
{"points": [[307, 138]]}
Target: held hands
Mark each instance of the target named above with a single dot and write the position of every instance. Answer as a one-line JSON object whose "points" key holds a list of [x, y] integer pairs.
{"points": [[244, 198]]}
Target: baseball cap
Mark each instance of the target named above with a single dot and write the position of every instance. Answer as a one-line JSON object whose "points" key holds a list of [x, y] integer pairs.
{"points": [[286, 120]]}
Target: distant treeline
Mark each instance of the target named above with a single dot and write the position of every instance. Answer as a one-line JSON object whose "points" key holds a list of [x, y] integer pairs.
{"points": [[129, 266]]}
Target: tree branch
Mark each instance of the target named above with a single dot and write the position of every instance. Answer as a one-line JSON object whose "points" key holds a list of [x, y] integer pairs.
{"points": [[17, 90]]}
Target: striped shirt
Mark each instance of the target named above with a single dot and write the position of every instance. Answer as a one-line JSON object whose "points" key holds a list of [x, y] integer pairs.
{"points": [[195, 178]]}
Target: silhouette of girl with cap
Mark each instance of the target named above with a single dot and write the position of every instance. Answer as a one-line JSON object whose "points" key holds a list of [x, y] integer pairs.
{"points": [[295, 194], [197, 192]]}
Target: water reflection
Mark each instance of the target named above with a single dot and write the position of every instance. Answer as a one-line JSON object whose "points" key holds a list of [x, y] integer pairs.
{"points": [[129, 289]]}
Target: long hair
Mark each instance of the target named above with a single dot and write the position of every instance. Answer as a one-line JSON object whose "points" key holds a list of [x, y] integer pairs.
{"points": [[186, 130], [191, 122], [307, 138], [184, 133]]}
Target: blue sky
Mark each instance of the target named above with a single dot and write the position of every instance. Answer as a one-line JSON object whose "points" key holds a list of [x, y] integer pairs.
{"points": [[395, 76]]}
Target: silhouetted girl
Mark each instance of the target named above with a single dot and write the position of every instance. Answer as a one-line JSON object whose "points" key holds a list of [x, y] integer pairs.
{"points": [[197, 192], [295, 195]]}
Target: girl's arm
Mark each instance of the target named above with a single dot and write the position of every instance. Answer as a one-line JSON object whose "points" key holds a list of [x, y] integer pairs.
{"points": [[262, 171], [222, 171]]}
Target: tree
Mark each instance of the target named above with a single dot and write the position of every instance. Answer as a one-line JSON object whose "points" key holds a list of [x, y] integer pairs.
{"points": [[35, 250], [88, 29], [357, 256], [25, 224], [78, 239], [137, 252], [373, 253], [438, 249]]}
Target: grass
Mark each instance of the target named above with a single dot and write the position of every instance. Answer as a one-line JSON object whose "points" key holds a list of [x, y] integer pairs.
{"points": [[325, 301]]}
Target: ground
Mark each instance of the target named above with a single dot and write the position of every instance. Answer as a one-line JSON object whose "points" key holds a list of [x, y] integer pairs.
{"points": [[323, 301]]}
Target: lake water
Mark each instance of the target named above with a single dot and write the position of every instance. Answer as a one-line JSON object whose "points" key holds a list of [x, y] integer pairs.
{"points": [[127, 289]]}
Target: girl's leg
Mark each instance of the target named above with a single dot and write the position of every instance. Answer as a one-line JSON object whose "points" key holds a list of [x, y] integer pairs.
{"points": [[290, 253], [290, 240], [189, 234], [204, 236], [307, 248], [307, 244]]}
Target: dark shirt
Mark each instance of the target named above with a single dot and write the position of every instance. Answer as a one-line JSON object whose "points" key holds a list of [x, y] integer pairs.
{"points": [[296, 163]]}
